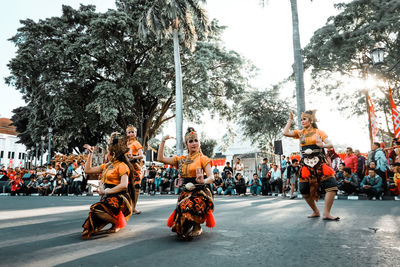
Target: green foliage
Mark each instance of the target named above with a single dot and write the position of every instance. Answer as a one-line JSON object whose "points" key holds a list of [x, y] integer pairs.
{"points": [[87, 74], [263, 116], [337, 47], [208, 145]]}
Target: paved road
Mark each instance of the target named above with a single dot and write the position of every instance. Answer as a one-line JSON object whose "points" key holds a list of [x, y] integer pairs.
{"points": [[250, 231]]}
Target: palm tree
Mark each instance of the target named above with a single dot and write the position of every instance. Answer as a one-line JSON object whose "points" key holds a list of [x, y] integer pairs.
{"points": [[298, 61], [171, 17]]}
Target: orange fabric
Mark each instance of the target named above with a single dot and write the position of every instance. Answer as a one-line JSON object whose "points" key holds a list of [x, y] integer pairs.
{"points": [[135, 146], [327, 171], [396, 179], [189, 170], [305, 173], [310, 136], [112, 172]]}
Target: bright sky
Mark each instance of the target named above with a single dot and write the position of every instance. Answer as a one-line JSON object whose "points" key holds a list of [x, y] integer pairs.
{"points": [[263, 35]]}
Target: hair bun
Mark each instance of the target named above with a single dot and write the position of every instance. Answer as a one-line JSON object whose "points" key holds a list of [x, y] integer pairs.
{"points": [[190, 129]]}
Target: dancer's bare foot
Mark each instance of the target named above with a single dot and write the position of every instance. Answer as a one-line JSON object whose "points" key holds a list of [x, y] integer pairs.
{"points": [[330, 218], [314, 215], [114, 230], [196, 230], [85, 234], [137, 211]]}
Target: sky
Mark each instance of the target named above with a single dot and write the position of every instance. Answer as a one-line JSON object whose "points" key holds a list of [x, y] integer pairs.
{"points": [[261, 34]]}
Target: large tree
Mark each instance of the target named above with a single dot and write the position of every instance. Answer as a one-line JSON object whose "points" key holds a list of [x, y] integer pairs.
{"points": [[165, 18], [342, 46], [87, 74], [263, 116]]}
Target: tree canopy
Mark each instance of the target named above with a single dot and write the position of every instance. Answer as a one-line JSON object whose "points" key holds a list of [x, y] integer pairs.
{"points": [[87, 74], [263, 116], [339, 48]]}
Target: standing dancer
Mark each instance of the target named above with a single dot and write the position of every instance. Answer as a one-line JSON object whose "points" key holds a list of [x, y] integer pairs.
{"points": [[135, 155], [314, 173], [115, 205], [195, 203]]}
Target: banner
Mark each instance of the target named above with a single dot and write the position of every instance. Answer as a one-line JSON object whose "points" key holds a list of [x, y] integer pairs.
{"points": [[395, 115], [374, 122]]}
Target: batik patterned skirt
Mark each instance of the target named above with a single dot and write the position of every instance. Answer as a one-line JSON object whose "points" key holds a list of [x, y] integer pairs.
{"points": [[112, 208]]}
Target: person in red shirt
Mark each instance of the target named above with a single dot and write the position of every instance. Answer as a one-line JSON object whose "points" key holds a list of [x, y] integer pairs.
{"points": [[351, 160], [16, 183]]}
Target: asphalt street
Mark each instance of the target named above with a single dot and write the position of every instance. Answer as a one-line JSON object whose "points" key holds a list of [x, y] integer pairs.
{"points": [[250, 231]]}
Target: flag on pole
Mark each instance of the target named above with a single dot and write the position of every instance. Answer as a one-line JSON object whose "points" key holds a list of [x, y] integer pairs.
{"points": [[374, 122], [395, 115]]}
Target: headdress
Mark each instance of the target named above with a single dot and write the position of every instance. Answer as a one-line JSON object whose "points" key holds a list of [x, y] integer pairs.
{"points": [[190, 134], [131, 128], [310, 114]]}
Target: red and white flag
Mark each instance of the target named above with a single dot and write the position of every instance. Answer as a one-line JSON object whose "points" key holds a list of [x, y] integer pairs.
{"points": [[395, 115], [374, 122]]}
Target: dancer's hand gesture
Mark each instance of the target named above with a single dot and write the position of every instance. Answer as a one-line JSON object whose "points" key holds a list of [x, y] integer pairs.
{"points": [[319, 141]]}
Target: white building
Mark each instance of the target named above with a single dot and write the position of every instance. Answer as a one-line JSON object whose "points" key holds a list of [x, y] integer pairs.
{"points": [[12, 154]]}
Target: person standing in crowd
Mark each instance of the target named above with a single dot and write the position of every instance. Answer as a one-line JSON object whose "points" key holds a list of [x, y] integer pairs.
{"points": [[240, 184], [195, 204], [50, 172], [349, 183], [292, 174], [276, 179], [264, 169], [382, 164], [151, 178], [229, 185], [218, 184], [372, 185], [360, 164], [239, 167], [77, 179], [351, 160], [255, 185], [314, 171], [215, 170], [226, 169], [283, 164], [115, 205], [135, 156]]}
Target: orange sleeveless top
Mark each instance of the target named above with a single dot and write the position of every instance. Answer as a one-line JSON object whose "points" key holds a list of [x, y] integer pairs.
{"points": [[112, 172], [187, 165], [135, 146], [309, 136]]}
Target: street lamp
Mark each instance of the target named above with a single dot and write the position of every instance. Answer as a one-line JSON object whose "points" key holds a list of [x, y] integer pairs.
{"points": [[377, 55], [41, 151], [49, 154]]}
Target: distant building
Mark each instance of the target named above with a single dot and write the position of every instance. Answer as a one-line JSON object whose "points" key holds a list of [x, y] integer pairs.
{"points": [[12, 154]]}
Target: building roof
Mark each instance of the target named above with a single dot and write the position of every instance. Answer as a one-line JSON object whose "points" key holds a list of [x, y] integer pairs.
{"points": [[6, 128]]}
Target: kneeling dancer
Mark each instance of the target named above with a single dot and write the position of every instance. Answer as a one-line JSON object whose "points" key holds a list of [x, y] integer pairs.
{"points": [[314, 172], [195, 203], [115, 206]]}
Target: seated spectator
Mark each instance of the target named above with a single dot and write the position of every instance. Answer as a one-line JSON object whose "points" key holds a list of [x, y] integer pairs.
{"points": [[16, 184], [395, 187], [229, 184], [177, 185], [44, 187], [240, 184], [59, 185], [50, 173], [218, 184], [339, 174], [372, 185], [276, 179], [255, 185], [349, 184], [32, 186]]}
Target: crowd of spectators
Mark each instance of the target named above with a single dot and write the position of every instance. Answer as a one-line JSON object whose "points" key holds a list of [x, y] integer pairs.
{"points": [[373, 176], [63, 179]]}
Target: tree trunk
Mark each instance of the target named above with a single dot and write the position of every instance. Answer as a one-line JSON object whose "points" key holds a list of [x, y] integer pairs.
{"points": [[298, 63], [178, 95]]}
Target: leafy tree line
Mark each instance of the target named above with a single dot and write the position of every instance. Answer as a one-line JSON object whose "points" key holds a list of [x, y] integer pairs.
{"points": [[87, 74], [338, 48]]}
